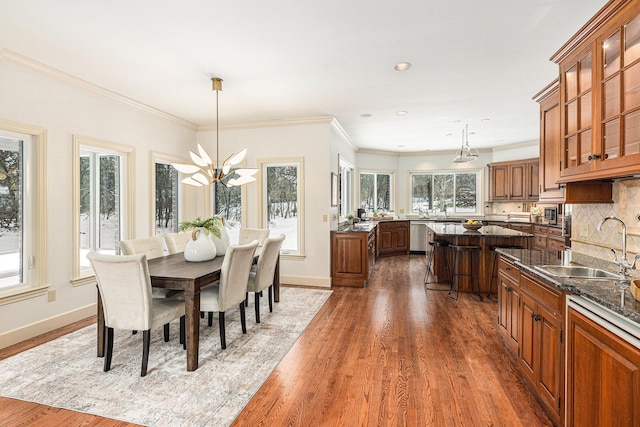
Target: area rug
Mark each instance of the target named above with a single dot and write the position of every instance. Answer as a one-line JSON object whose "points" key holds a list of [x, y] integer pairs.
{"points": [[66, 373]]}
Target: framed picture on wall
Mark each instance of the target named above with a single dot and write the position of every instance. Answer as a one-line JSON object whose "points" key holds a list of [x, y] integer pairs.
{"points": [[334, 189]]}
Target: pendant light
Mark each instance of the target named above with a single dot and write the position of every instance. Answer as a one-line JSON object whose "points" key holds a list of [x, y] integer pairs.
{"points": [[466, 154], [206, 172]]}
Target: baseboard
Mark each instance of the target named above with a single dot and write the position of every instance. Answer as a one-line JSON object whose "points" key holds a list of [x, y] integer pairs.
{"points": [[306, 281], [47, 325]]}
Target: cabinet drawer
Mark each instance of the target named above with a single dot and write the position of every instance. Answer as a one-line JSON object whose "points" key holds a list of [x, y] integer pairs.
{"points": [[552, 298], [508, 269], [555, 244], [540, 241], [554, 231], [540, 229]]}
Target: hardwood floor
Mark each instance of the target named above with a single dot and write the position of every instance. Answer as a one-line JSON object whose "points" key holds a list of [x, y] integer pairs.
{"points": [[389, 354]]}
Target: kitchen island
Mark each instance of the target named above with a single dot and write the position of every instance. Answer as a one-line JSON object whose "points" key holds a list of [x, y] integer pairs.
{"points": [[487, 237]]}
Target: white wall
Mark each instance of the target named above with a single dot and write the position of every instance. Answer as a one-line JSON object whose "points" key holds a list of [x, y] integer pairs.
{"points": [[271, 142], [64, 110]]}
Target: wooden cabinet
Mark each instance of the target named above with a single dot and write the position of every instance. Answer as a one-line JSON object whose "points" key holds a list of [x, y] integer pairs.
{"points": [[392, 238], [551, 190], [603, 375], [508, 303], [516, 180], [540, 353], [352, 258], [600, 96], [549, 238]]}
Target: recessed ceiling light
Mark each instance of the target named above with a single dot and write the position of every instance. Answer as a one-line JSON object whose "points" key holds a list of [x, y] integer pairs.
{"points": [[449, 134], [402, 66], [400, 146], [485, 120], [365, 115], [457, 121], [402, 113]]}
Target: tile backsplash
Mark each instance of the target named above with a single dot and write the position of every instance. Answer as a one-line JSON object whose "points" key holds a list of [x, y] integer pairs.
{"points": [[586, 239]]}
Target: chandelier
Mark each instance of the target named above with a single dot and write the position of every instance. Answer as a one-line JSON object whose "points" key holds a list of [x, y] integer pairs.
{"points": [[206, 172], [466, 154]]}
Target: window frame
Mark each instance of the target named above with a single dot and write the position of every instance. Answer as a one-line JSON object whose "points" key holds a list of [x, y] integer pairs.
{"points": [[346, 187], [128, 187], [392, 186], [479, 195], [284, 161], [157, 157], [36, 169]]}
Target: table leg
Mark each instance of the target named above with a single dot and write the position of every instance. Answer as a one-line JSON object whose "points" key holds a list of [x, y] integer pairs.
{"points": [[100, 326], [276, 282], [192, 326]]}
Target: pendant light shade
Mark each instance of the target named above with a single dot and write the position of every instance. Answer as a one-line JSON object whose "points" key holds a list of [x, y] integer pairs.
{"points": [[465, 154]]}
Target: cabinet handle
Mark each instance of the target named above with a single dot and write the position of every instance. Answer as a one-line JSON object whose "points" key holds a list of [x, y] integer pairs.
{"points": [[509, 289], [536, 317], [594, 157]]}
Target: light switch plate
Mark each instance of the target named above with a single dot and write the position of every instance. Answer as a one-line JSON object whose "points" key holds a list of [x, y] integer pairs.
{"points": [[584, 230]]}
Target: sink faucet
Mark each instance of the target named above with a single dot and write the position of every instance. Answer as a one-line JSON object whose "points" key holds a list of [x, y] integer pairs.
{"points": [[623, 263]]}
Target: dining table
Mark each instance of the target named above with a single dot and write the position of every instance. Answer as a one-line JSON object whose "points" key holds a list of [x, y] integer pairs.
{"points": [[173, 272]]}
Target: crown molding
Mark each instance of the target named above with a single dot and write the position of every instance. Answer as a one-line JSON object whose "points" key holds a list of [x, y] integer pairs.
{"points": [[335, 124], [39, 67], [271, 123]]}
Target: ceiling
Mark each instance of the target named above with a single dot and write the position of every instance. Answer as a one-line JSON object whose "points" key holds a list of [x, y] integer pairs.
{"points": [[296, 59]]}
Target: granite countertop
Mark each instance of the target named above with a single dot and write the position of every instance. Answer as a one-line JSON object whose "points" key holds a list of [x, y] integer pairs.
{"points": [[487, 230], [361, 227], [610, 293]]}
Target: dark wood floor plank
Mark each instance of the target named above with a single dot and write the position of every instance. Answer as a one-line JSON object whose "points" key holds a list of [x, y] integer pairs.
{"points": [[388, 354]]}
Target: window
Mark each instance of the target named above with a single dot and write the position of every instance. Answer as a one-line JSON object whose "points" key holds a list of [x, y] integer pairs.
{"points": [[283, 203], [227, 202], [456, 191], [103, 199], [375, 191], [23, 226], [167, 184], [346, 185]]}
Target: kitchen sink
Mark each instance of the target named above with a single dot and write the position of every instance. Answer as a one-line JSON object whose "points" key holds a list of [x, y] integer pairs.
{"points": [[575, 271]]}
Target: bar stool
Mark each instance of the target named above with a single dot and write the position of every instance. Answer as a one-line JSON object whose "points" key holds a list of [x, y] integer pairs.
{"points": [[442, 247], [494, 272], [474, 254]]}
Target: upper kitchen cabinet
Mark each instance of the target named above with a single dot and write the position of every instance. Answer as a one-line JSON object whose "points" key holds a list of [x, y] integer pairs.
{"points": [[599, 96], [550, 190], [515, 180]]}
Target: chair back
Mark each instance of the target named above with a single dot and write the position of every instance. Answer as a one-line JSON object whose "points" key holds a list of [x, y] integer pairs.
{"points": [[125, 288], [267, 262], [234, 275], [176, 242], [150, 246], [249, 234]]}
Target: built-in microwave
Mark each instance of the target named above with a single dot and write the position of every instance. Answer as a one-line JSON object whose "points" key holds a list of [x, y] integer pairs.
{"points": [[551, 215]]}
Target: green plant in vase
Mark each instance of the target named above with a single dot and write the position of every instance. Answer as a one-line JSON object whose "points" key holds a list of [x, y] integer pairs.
{"points": [[210, 225]]}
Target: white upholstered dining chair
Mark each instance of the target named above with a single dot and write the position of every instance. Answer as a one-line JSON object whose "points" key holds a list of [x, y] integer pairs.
{"points": [[177, 242], [152, 248], [263, 276], [125, 289], [249, 234], [231, 289]]}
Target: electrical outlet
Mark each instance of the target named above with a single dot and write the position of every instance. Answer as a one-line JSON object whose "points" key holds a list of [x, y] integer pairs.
{"points": [[334, 217], [325, 217], [51, 295], [584, 230]]}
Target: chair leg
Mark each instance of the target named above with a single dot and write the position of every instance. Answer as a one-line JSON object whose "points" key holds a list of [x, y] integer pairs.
{"points": [[210, 318], [493, 272], [243, 319], [146, 342], [202, 315], [455, 279], [223, 338], [270, 298], [257, 298], [134, 332], [183, 340], [108, 338], [246, 299], [476, 255], [166, 332]]}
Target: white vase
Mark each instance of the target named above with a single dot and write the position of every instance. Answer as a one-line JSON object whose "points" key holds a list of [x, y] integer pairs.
{"points": [[222, 243], [200, 247]]}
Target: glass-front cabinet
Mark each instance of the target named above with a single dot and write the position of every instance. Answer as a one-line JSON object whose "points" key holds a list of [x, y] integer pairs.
{"points": [[600, 96]]}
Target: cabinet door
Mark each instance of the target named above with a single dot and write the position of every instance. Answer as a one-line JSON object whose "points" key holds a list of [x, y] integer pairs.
{"points": [[528, 335], [385, 238], [603, 376], [517, 181], [499, 183], [550, 146], [533, 181], [549, 357], [401, 237]]}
